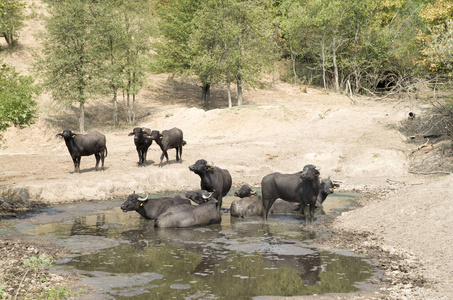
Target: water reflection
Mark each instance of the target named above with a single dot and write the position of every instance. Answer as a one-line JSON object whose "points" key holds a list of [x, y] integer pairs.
{"points": [[237, 259]]}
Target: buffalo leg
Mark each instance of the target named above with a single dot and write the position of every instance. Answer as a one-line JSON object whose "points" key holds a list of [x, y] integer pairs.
{"points": [[312, 212], [166, 155], [98, 158], [306, 212], [162, 158], [140, 158], [177, 153], [77, 164], [144, 157], [74, 160], [102, 160], [180, 153], [267, 204]]}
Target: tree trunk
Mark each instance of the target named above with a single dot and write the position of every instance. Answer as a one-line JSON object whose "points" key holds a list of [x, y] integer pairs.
{"points": [[115, 108], [82, 117], [206, 94], [230, 103], [335, 67], [134, 108], [128, 104], [239, 86], [293, 61], [324, 64]]}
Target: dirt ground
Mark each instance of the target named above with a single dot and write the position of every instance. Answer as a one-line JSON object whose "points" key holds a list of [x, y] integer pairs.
{"points": [[405, 220]]}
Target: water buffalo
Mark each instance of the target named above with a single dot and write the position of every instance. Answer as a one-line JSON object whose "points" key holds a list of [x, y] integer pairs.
{"points": [[213, 179], [302, 187], [142, 140], [327, 187], [182, 216], [84, 145], [169, 139], [249, 204], [150, 208]]}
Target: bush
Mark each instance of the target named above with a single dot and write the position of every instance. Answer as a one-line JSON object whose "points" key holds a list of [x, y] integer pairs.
{"points": [[17, 107]]}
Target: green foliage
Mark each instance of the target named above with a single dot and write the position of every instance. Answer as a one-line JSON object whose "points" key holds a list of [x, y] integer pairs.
{"points": [[437, 37], [41, 263], [216, 41], [17, 106], [93, 48], [57, 292], [11, 20]]}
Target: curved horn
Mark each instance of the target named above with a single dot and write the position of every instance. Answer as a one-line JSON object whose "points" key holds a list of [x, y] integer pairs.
{"points": [[207, 195], [252, 192], [317, 168], [143, 199]]}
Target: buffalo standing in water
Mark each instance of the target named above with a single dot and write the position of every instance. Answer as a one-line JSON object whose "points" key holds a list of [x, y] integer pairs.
{"points": [[213, 179], [302, 187]]}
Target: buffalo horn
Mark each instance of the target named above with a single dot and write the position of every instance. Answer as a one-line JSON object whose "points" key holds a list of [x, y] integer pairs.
{"points": [[207, 195], [143, 199]]}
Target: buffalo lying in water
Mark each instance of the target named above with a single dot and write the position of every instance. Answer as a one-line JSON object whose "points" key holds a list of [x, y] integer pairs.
{"points": [[186, 215], [150, 208]]}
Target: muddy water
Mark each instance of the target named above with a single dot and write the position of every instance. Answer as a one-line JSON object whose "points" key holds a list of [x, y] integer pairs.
{"points": [[124, 257]]}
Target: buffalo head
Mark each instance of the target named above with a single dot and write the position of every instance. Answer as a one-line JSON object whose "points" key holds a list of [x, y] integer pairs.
{"points": [[245, 191], [133, 202], [140, 133], [156, 135], [200, 167], [200, 196], [310, 172], [66, 134]]}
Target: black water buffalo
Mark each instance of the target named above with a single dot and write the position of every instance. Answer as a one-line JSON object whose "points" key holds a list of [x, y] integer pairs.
{"points": [[302, 187], [150, 208], [142, 140], [326, 188], [199, 196], [213, 179], [84, 145], [249, 205], [169, 139], [182, 216]]}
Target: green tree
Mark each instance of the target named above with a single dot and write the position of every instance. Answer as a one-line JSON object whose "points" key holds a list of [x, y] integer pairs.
{"points": [[223, 40], [17, 92], [174, 29], [70, 64], [11, 20], [437, 38], [124, 28]]}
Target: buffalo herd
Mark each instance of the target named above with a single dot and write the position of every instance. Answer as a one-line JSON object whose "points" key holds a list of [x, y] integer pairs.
{"points": [[299, 193]]}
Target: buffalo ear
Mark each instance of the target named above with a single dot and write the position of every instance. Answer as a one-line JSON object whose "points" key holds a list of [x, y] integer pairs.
{"points": [[59, 134], [131, 134]]}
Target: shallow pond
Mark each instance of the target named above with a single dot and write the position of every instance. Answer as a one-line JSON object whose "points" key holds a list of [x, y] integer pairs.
{"points": [[238, 259]]}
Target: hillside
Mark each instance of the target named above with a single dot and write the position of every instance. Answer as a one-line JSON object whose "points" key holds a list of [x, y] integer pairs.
{"points": [[406, 220]]}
